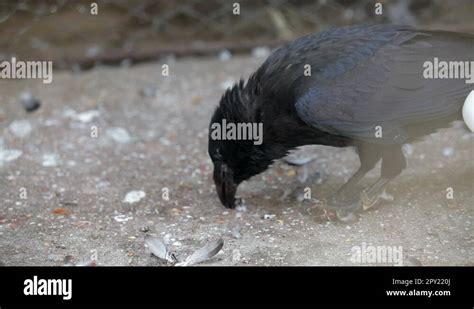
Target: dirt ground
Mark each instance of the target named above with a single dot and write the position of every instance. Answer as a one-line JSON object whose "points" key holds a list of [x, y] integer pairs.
{"points": [[63, 188]]}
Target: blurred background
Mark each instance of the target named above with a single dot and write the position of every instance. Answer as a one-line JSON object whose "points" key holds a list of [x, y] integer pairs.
{"points": [[127, 31]]}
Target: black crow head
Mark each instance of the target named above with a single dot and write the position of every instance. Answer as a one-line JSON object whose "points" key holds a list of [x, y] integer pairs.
{"points": [[236, 160]]}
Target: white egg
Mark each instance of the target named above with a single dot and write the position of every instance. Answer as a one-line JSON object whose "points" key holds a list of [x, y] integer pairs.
{"points": [[468, 111]]}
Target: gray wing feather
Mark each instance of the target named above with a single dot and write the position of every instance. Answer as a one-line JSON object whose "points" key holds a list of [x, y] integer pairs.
{"points": [[386, 87]]}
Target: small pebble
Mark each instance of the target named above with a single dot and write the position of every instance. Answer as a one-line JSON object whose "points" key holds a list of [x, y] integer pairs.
{"points": [[20, 128], [50, 160], [122, 218], [120, 135], [236, 256], [68, 260], [268, 216], [144, 229], [291, 173], [87, 116], [407, 149], [134, 197], [448, 151], [224, 55], [260, 52], [29, 102], [8, 155]]}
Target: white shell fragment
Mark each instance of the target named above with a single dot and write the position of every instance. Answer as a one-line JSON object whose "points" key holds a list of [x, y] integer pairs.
{"points": [[87, 116], [120, 135], [20, 128], [134, 197], [205, 253], [224, 55], [7, 155], [122, 218], [268, 217], [83, 117], [159, 249], [448, 151], [407, 149], [50, 160], [260, 52], [468, 111]]}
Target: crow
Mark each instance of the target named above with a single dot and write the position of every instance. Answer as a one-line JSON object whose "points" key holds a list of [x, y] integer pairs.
{"points": [[371, 87]]}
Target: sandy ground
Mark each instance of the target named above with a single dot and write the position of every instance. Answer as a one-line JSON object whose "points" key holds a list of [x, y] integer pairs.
{"points": [[63, 191]]}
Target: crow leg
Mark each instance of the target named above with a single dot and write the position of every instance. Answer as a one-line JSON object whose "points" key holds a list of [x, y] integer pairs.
{"points": [[393, 163], [347, 189], [370, 195], [369, 155]]}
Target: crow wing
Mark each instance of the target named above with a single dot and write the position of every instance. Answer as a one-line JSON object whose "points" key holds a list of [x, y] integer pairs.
{"points": [[374, 77]]}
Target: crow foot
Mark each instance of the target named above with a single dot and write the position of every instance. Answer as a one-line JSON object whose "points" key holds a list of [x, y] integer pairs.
{"points": [[368, 201]]}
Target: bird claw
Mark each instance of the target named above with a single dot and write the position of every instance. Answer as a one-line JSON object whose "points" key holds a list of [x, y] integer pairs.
{"points": [[343, 213], [328, 213], [325, 215], [353, 206], [321, 212], [366, 201]]}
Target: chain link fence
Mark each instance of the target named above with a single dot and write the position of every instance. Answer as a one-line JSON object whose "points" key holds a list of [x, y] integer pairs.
{"points": [[123, 31]]}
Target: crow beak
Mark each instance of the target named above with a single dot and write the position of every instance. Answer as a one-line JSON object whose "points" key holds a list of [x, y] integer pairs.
{"points": [[225, 186]]}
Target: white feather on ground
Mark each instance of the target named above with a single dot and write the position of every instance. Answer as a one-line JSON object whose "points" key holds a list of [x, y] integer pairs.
{"points": [[159, 249], [205, 253]]}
